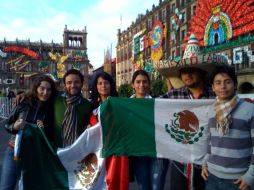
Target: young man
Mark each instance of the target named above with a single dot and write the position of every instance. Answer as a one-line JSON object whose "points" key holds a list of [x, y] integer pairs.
{"points": [[194, 88], [72, 111], [230, 162]]}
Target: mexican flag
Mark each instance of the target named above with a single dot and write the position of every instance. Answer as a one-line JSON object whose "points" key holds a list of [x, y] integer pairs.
{"points": [[78, 166], [174, 129]]}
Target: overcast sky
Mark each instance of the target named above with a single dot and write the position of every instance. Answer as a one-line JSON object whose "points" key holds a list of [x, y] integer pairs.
{"points": [[46, 19]]}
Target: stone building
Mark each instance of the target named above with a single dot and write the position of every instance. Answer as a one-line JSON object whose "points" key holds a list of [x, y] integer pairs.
{"points": [[21, 60], [159, 37]]}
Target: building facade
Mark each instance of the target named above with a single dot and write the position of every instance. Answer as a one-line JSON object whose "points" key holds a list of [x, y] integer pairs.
{"points": [[21, 60], [160, 36]]}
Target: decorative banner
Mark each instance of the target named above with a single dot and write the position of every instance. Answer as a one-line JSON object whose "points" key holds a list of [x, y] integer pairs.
{"points": [[3, 54], [76, 65], [239, 52], [157, 35], [9, 81], [59, 59], [21, 50], [16, 61], [216, 21], [156, 55], [18, 67], [138, 42], [218, 28]]}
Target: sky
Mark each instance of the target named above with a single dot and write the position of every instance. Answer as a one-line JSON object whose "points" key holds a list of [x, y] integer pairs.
{"points": [[46, 19]]}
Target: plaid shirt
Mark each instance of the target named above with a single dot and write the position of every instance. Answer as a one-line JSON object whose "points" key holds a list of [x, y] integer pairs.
{"points": [[184, 93]]}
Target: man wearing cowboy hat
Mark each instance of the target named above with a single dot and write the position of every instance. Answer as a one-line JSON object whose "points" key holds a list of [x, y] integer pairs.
{"points": [[193, 70]]}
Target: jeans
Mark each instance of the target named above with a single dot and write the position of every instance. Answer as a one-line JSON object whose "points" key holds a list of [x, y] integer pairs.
{"points": [[150, 173], [9, 171], [179, 180], [214, 182]]}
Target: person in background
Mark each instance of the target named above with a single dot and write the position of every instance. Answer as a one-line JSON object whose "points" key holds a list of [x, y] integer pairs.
{"points": [[150, 173], [229, 163], [37, 108], [117, 167], [194, 88]]}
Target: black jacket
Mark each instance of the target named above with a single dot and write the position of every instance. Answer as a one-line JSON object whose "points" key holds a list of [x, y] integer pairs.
{"points": [[31, 114]]}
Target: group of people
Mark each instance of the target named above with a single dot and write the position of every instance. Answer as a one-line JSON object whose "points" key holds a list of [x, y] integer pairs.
{"points": [[64, 116]]}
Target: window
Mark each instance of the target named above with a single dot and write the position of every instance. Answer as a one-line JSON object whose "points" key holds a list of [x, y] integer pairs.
{"points": [[164, 15], [173, 7], [149, 23], [193, 10], [183, 17], [182, 35]]}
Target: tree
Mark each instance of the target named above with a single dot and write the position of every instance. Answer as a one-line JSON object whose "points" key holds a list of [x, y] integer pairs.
{"points": [[125, 90], [158, 87]]}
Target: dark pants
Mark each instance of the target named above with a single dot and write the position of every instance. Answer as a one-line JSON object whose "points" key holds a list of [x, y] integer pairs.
{"points": [[150, 173], [180, 182], [9, 171], [214, 182]]}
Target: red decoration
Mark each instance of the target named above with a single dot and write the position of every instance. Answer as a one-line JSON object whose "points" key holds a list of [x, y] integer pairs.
{"points": [[240, 12], [21, 50]]}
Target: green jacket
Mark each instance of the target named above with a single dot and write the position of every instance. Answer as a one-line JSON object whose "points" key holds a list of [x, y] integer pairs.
{"points": [[83, 109]]}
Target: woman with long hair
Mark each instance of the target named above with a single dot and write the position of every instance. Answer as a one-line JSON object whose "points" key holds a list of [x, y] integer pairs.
{"points": [[117, 167], [37, 108]]}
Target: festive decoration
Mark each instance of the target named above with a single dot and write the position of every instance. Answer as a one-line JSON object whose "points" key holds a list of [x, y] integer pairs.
{"points": [[157, 35], [59, 59], [216, 21], [76, 65], [3, 54], [21, 50], [53, 76], [239, 52], [191, 57], [138, 42], [156, 40], [18, 67], [218, 28], [44, 66], [139, 63]]}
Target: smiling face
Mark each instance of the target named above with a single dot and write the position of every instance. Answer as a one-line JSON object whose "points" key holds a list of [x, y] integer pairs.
{"points": [[223, 86], [73, 84], [191, 77], [141, 86], [103, 88], [44, 91]]}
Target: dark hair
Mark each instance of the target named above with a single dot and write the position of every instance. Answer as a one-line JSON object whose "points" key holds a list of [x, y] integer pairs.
{"points": [[224, 69], [140, 72], [32, 96], [73, 72], [202, 73], [95, 96]]}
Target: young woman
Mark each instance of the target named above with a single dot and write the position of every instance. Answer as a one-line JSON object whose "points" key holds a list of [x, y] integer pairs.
{"points": [[37, 108], [229, 164], [116, 166], [150, 173]]}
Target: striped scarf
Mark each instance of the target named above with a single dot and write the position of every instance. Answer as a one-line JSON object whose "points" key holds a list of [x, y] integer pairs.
{"points": [[223, 111], [69, 125]]}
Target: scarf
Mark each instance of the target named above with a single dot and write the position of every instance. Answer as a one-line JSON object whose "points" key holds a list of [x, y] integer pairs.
{"points": [[69, 125], [223, 111]]}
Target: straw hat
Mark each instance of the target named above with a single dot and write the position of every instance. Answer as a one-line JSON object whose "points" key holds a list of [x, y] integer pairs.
{"points": [[191, 59]]}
